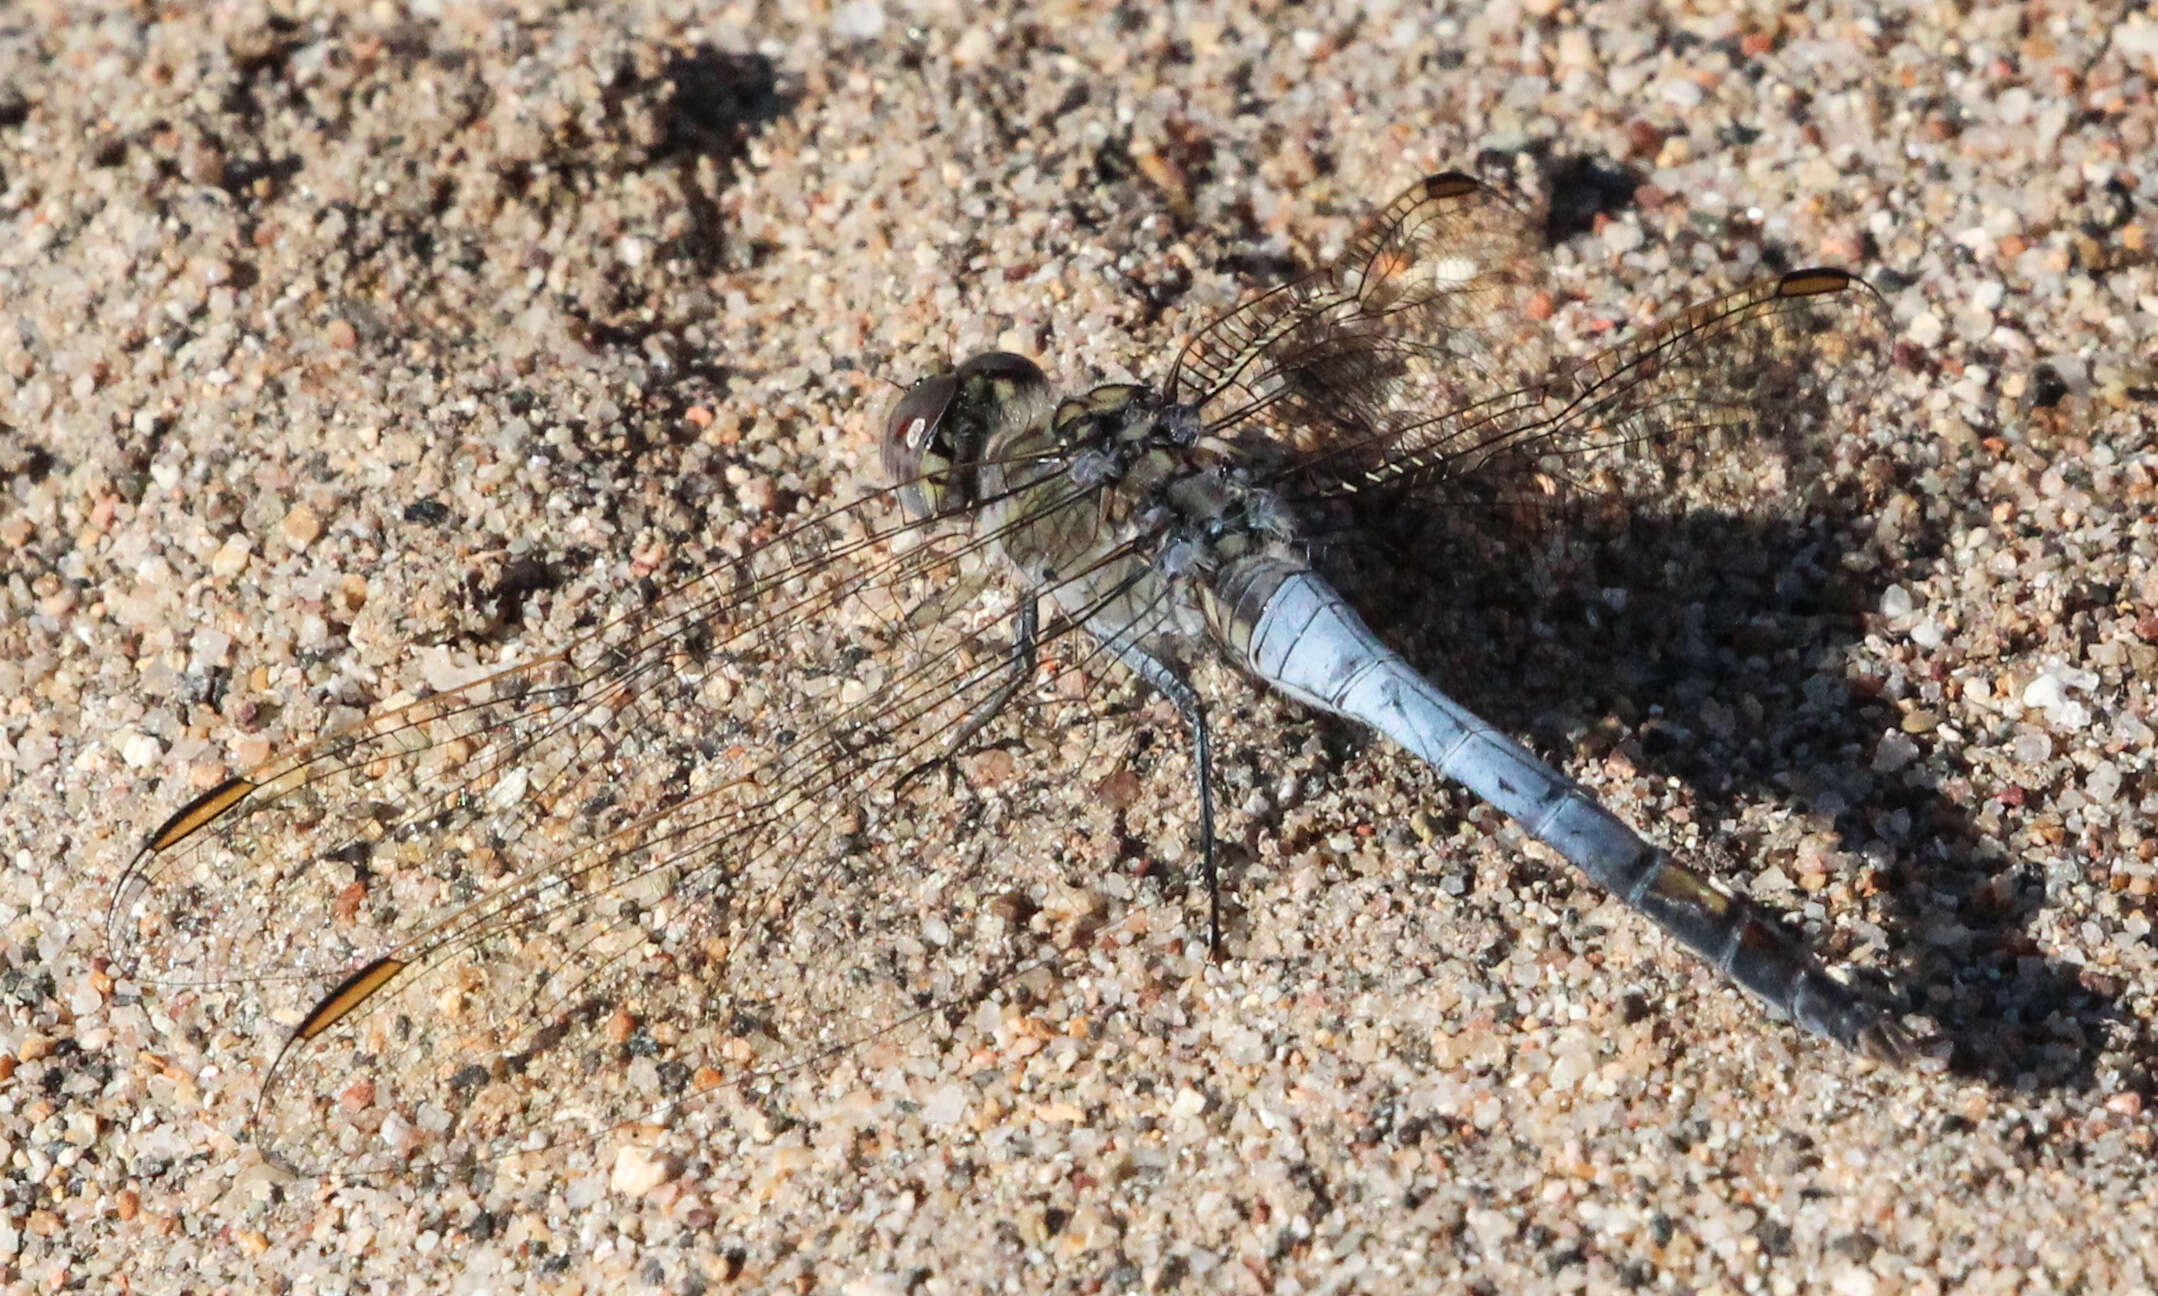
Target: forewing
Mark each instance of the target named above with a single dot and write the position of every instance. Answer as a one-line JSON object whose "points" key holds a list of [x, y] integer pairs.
{"points": [[677, 854], [1428, 309]]}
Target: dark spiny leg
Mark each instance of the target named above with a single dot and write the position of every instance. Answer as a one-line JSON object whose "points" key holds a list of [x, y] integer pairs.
{"points": [[1186, 700], [1026, 648], [1203, 775], [1170, 684]]}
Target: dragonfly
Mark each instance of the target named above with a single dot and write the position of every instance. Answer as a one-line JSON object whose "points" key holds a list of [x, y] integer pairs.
{"points": [[773, 813]]}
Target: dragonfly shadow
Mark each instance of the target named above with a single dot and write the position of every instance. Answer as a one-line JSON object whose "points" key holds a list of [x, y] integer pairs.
{"points": [[1715, 648], [721, 101], [697, 116]]}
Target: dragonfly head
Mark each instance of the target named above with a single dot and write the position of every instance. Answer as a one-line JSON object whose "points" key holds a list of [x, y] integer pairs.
{"points": [[939, 428]]}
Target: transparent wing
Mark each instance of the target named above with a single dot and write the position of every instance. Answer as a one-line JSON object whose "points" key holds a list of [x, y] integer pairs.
{"points": [[1774, 361], [1428, 309], [680, 852], [1413, 365]]}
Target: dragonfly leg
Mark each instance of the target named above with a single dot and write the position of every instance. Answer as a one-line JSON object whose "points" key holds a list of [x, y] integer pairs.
{"points": [[1180, 693], [1202, 762], [1019, 664]]}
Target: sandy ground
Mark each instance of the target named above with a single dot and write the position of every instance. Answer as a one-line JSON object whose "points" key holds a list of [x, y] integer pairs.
{"points": [[344, 349]]}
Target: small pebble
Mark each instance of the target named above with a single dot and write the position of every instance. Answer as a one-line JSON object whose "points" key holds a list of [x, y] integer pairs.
{"points": [[638, 1170]]}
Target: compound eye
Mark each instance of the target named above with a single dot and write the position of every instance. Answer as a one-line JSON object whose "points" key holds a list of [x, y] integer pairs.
{"points": [[1005, 367], [932, 451], [911, 428]]}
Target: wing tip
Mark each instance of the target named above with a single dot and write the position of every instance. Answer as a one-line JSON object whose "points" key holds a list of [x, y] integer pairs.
{"points": [[349, 994], [203, 810], [1814, 281], [1450, 184]]}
